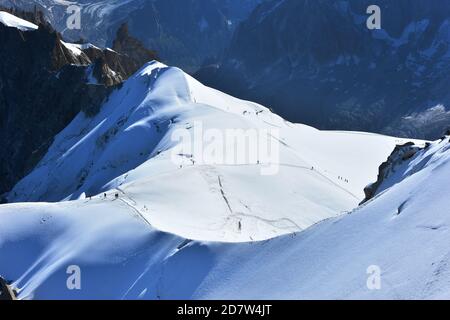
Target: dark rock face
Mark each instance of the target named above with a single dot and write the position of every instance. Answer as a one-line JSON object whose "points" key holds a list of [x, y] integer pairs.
{"points": [[398, 157], [183, 32], [43, 86], [316, 62], [133, 48], [40, 93], [35, 16], [6, 293]]}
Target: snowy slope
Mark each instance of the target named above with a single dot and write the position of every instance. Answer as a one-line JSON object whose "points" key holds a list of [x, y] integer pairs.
{"points": [[403, 231], [137, 198], [128, 148], [12, 21]]}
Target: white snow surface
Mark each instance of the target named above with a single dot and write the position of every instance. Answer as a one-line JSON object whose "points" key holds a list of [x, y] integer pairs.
{"points": [[73, 48], [250, 236], [128, 148], [77, 49], [403, 231], [12, 21]]}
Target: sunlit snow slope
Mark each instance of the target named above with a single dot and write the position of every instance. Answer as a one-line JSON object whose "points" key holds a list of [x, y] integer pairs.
{"points": [[403, 232], [12, 21], [173, 226], [128, 149]]}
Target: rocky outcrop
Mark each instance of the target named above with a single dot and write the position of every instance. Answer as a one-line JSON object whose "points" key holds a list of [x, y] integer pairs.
{"points": [[6, 293], [130, 46], [44, 84], [398, 157], [113, 66]]}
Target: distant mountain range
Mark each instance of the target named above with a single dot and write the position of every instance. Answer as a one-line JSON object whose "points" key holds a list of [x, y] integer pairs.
{"points": [[139, 182], [313, 62], [185, 33], [316, 62]]}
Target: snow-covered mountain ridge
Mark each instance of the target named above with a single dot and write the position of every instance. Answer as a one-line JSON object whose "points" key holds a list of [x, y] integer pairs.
{"points": [[183, 32], [145, 208], [128, 148], [10, 20], [403, 232], [155, 232]]}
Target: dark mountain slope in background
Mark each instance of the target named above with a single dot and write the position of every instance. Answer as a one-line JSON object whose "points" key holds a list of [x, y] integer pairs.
{"points": [[44, 83], [183, 32], [315, 62]]}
